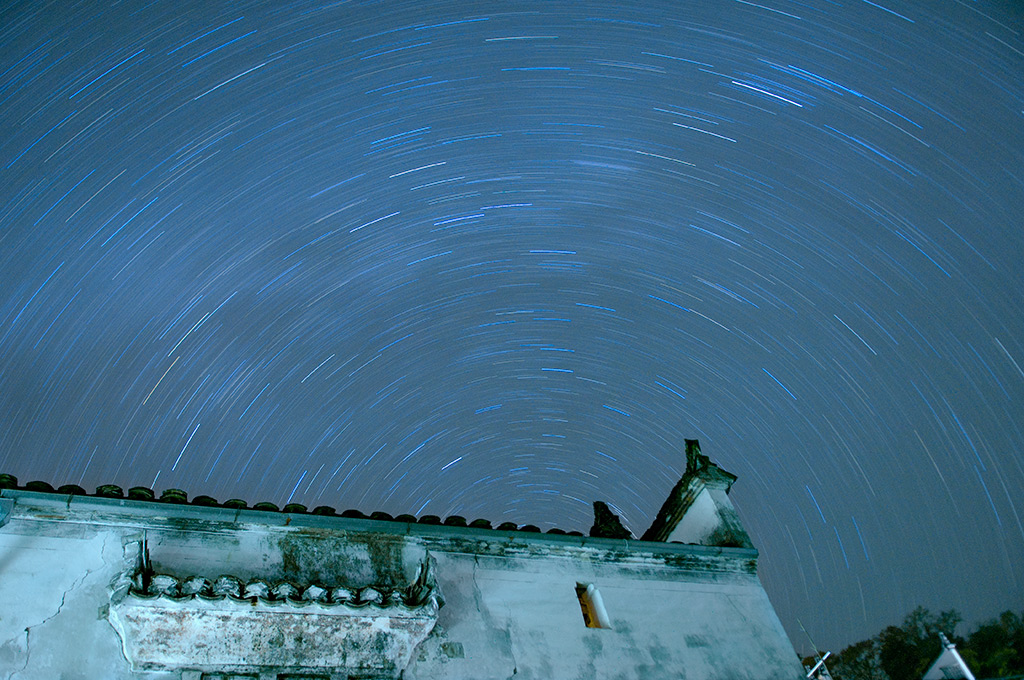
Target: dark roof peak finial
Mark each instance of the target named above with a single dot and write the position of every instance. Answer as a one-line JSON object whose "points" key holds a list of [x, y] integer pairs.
{"points": [[607, 524], [694, 459]]}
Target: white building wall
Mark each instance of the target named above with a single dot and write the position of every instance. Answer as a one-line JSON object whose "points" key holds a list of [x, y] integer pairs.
{"points": [[511, 609], [662, 626]]}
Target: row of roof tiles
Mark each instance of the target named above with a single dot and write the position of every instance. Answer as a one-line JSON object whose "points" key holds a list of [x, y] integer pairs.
{"points": [[233, 588], [179, 497]]}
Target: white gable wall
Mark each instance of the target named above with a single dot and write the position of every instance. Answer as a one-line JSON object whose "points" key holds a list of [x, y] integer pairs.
{"points": [[699, 522]]}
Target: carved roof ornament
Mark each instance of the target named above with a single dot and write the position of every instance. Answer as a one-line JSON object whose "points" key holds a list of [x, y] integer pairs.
{"points": [[607, 524], [699, 466], [223, 624]]}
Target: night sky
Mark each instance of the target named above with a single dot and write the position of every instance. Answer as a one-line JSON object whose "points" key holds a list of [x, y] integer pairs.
{"points": [[500, 259]]}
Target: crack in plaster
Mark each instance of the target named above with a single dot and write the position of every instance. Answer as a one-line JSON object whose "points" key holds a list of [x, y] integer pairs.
{"points": [[478, 599], [28, 629], [511, 647], [19, 670], [75, 584]]}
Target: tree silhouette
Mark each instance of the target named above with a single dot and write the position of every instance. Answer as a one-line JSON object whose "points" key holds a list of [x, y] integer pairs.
{"points": [[996, 647], [905, 652], [859, 661], [994, 650]]}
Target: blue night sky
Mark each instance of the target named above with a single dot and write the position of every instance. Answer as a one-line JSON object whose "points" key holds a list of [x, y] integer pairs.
{"points": [[500, 259]]}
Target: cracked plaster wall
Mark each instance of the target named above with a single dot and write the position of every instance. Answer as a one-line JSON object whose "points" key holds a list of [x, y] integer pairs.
{"points": [[54, 583]]}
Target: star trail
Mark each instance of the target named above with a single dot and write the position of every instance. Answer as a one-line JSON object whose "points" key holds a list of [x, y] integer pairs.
{"points": [[499, 259]]}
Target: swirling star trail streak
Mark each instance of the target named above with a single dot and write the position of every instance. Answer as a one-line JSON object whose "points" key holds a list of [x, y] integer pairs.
{"points": [[498, 261]]}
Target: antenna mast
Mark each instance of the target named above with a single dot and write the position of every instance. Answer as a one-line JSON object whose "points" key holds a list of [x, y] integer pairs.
{"points": [[820, 670]]}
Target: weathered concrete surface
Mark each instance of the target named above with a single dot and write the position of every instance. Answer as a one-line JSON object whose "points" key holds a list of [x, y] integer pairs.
{"points": [[226, 635], [526, 621], [676, 611]]}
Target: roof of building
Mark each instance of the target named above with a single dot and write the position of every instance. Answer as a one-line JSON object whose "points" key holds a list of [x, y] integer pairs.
{"points": [[699, 470], [179, 497]]}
